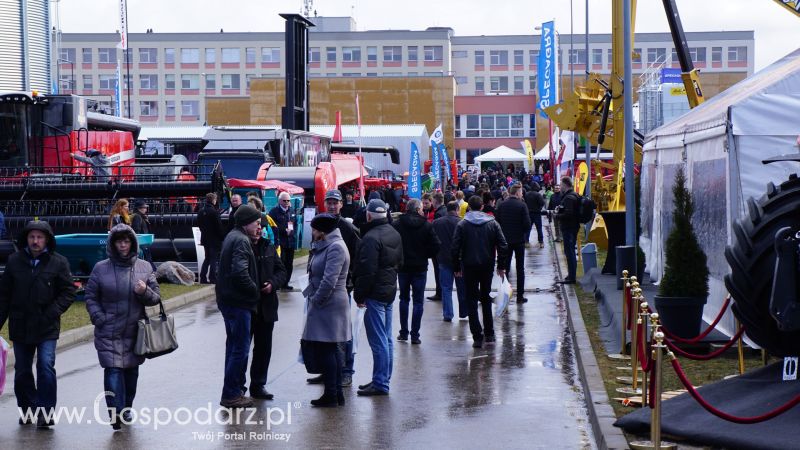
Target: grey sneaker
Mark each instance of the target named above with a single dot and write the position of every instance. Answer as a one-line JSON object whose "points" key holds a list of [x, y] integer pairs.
{"points": [[347, 380], [238, 402]]}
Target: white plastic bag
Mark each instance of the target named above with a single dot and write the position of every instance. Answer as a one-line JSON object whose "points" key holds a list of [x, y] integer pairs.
{"points": [[3, 358], [504, 292], [358, 321]]}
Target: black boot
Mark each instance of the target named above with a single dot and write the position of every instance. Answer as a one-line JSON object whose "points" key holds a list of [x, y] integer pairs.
{"points": [[327, 400], [340, 398]]}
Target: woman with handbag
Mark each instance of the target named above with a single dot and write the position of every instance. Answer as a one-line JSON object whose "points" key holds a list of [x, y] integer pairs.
{"points": [[328, 315], [118, 290]]}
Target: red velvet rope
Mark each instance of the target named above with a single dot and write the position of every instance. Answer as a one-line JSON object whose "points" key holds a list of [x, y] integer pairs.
{"points": [[651, 387], [705, 333], [709, 356], [725, 416], [629, 303], [645, 358]]}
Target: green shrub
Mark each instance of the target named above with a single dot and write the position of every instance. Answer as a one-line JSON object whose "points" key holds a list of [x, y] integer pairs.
{"points": [[685, 272]]}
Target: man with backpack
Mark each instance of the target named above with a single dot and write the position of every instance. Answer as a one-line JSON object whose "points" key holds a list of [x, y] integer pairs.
{"points": [[567, 218]]}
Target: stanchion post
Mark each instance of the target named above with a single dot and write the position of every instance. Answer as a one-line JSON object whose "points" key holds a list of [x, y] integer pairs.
{"points": [[740, 349], [637, 298], [625, 296], [655, 422], [634, 310], [645, 319]]}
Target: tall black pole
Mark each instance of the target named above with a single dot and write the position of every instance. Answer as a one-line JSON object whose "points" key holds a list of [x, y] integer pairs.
{"points": [[587, 145]]}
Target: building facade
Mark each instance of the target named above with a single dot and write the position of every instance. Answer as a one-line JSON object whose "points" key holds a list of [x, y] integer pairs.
{"points": [[174, 76]]}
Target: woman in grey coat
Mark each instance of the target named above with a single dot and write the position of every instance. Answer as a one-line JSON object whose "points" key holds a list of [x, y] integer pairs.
{"points": [[328, 315], [116, 294]]}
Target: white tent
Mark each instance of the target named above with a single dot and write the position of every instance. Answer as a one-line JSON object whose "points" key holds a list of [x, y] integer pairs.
{"points": [[502, 154], [720, 144]]}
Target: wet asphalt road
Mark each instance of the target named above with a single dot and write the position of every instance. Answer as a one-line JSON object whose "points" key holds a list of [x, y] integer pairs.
{"points": [[521, 392]]}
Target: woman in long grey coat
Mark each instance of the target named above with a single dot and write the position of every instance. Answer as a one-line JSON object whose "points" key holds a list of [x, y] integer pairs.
{"points": [[116, 294], [328, 315]]}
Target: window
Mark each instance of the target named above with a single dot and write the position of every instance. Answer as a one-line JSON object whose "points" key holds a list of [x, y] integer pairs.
{"points": [[479, 84], [148, 81], [108, 82], [498, 84], [393, 53], [675, 59], [127, 81], [271, 54], [637, 56], [313, 54], [495, 125], [169, 56], [487, 125], [372, 74], [107, 55], [412, 53], [533, 55], [211, 81], [356, 74], [473, 125], [211, 58], [148, 55], [413, 74], [458, 54], [698, 54], [461, 80], [169, 81], [737, 54], [498, 57], [532, 128], [372, 53], [597, 56], [169, 107], [532, 83], [656, 55], [610, 57], [433, 52], [398, 74], [231, 56], [577, 56], [519, 83], [716, 54], [66, 83], [457, 125], [330, 54], [87, 83], [351, 54], [87, 56], [231, 81], [148, 108], [190, 108], [479, 58], [250, 55], [67, 54], [190, 56]]}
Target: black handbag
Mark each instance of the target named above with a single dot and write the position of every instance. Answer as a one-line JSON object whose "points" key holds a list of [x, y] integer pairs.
{"points": [[156, 335], [309, 351]]}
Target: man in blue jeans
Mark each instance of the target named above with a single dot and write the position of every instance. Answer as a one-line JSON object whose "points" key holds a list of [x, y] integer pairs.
{"points": [[445, 229], [420, 244], [35, 290], [567, 215], [379, 255], [238, 293]]}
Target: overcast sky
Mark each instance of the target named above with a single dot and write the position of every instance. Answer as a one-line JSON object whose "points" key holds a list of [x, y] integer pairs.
{"points": [[776, 29]]}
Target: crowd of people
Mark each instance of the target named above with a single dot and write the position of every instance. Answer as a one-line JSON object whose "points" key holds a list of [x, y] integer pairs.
{"points": [[358, 254]]}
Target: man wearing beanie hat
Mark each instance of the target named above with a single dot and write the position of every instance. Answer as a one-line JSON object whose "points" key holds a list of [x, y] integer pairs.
{"points": [[238, 295], [36, 289]]}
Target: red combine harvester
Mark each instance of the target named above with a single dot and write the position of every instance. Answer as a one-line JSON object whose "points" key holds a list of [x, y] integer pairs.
{"points": [[40, 177]]}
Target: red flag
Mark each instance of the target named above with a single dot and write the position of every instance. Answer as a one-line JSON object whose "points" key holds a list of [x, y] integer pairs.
{"points": [[337, 130]]}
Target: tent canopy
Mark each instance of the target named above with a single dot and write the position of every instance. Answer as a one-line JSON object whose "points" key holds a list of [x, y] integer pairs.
{"points": [[501, 154]]}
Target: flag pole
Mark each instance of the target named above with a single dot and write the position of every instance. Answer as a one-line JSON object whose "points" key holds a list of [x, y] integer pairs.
{"points": [[360, 155]]}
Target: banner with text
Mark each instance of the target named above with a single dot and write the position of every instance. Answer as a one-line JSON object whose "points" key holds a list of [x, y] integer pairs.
{"points": [[414, 174], [547, 68]]}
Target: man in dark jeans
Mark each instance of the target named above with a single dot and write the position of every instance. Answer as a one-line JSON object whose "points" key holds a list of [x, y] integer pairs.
{"points": [[211, 235], [420, 243], [477, 238], [35, 290], [567, 215], [515, 221], [535, 202], [284, 218]]}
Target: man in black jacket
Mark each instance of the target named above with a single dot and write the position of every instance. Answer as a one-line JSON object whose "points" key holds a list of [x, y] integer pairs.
{"points": [[379, 255], [477, 238], [271, 275], [555, 201], [515, 221], [211, 235], [567, 215], [535, 202], [238, 293], [419, 244], [438, 210], [36, 289], [284, 218], [351, 237], [445, 229]]}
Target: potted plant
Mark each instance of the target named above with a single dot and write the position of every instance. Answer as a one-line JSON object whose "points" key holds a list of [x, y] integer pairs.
{"points": [[684, 287]]}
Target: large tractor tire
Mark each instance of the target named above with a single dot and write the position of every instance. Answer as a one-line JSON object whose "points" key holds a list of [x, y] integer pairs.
{"points": [[752, 259]]}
